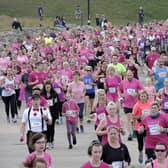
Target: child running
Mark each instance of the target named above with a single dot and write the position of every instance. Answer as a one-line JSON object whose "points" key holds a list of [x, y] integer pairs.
{"points": [[70, 110]]}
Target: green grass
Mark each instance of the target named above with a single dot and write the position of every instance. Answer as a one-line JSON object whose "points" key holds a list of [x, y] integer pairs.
{"points": [[118, 11]]}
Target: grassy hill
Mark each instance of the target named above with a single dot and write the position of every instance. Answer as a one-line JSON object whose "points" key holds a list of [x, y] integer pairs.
{"points": [[118, 11]]}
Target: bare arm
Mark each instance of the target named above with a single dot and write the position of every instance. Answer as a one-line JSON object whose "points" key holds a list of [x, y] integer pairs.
{"points": [[101, 126], [148, 165], [22, 132]]}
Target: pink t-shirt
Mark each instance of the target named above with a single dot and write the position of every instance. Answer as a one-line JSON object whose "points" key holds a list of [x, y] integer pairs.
{"points": [[46, 157], [127, 88], [164, 100], [109, 123], [21, 59], [151, 58], [155, 163], [71, 110], [88, 165], [33, 77], [152, 127], [18, 80], [101, 113], [42, 76], [77, 92], [140, 109], [112, 85], [66, 75], [83, 51], [4, 62]]}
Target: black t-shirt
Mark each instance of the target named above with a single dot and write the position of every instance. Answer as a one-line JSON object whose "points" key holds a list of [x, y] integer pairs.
{"points": [[119, 154], [25, 80]]}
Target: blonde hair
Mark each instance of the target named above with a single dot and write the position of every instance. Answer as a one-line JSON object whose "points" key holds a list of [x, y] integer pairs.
{"points": [[108, 69], [96, 99], [142, 91], [111, 103]]}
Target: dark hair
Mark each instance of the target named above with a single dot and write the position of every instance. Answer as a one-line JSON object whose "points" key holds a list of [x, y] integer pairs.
{"points": [[18, 68], [39, 160], [92, 144], [35, 96], [36, 137], [155, 103], [33, 162], [52, 91], [113, 127], [162, 143], [76, 73]]}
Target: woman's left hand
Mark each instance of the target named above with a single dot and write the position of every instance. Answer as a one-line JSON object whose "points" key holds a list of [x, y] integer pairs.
{"points": [[125, 164]]}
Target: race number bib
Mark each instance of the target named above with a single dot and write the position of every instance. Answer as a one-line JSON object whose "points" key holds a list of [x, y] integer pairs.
{"points": [[112, 90], [162, 74], [102, 80], [101, 116], [130, 91], [58, 90], [65, 79], [145, 112], [83, 57], [70, 113], [36, 125], [88, 86], [91, 58], [154, 129], [117, 164], [166, 105], [50, 102]]}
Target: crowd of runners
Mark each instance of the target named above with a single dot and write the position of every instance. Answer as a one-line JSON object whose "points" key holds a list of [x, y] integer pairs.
{"points": [[90, 76]]}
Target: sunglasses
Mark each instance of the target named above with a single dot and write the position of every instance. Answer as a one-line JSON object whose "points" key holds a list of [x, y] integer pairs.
{"points": [[160, 150]]}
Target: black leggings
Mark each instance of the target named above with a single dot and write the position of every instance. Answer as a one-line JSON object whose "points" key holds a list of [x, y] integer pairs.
{"points": [[10, 101], [60, 109], [51, 128], [140, 139], [51, 131], [18, 102], [150, 153]]}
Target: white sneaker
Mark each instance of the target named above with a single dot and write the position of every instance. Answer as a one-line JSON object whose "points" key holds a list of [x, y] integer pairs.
{"points": [[52, 145], [14, 120], [48, 146], [57, 121], [8, 120], [140, 158]]}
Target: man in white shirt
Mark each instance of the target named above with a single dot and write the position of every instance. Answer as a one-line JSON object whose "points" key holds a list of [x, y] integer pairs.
{"points": [[36, 118]]}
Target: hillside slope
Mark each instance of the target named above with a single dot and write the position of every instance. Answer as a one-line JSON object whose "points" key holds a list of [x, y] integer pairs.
{"points": [[117, 11]]}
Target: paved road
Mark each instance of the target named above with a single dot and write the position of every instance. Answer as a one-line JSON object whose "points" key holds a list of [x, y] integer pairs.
{"points": [[13, 152]]}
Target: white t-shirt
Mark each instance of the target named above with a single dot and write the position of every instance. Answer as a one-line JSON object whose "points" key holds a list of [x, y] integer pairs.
{"points": [[36, 119], [9, 89]]}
